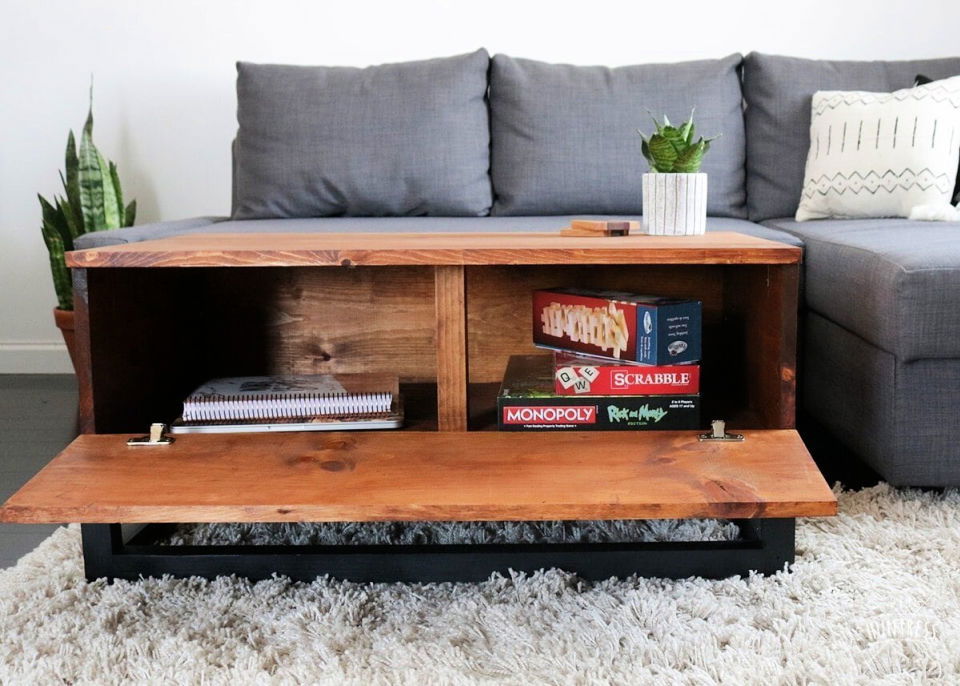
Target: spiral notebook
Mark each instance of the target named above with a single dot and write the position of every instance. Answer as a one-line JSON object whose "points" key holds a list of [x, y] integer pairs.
{"points": [[321, 402]]}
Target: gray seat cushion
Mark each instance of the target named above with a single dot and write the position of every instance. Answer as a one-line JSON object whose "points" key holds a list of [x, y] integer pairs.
{"points": [[382, 225], [144, 232], [565, 137], [778, 91], [388, 140], [893, 282]]}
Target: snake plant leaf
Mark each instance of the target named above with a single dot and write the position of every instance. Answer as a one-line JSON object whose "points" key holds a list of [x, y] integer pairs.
{"points": [[645, 150], [130, 214], [111, 211], [118, 191], [690, 159], [53, 216], [72, 183], [686, 129], [663, 153], [62, 224], [58, 267], [91, 182], [70, 216]]}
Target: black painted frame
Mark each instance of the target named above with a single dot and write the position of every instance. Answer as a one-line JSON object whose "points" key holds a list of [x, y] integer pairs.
{"points": [[765, 546]]}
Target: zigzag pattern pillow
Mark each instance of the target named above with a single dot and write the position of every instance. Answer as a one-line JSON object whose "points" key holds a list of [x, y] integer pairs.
{"points": [[881, 154]]}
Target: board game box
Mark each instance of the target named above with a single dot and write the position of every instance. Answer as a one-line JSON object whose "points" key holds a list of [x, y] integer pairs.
{"points": [[584, 375], [640, 328], [527, 402]]}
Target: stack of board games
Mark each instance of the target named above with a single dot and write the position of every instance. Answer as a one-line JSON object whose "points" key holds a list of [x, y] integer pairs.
{"points": [[529, 401], [622, 362]]}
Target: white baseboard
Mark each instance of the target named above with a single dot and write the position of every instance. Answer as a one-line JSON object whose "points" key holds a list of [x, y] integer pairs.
{"points": [[34, 357]]}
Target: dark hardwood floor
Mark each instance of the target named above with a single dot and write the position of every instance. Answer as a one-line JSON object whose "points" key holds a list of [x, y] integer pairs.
{"points": [[38, 417]]}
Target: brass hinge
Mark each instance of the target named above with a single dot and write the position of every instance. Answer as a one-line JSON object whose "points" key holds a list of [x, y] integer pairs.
{"points": [[719, 433], [157, 437]]}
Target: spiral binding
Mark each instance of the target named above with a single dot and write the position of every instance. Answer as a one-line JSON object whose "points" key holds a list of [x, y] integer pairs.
{"points": [[287, 406]]}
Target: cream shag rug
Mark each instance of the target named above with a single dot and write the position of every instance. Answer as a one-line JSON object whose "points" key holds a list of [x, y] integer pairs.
{"points": [[874, 598]]}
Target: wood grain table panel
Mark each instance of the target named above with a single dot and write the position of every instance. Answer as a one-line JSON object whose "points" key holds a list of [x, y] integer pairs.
{"points": [[369, 476]]}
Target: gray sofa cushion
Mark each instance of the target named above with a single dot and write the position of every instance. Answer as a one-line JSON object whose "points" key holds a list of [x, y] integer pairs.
{"points": [[386, 225], [565, 137], [778, 91], [144, 232], [893, 282], [393, 139]]}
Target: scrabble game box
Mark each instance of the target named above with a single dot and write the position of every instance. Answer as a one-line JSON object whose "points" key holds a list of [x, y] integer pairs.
{"points": [[585, 375]]}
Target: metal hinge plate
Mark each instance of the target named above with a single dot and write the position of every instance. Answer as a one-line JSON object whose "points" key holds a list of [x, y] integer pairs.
{"points": [[719, 433], [157, 437]]}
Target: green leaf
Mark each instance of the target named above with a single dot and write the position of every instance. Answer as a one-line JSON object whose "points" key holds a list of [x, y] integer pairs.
{"points": [[62, 283], [62, 224], [118, 192], [88, 126], [690, 160], [91, 183], [663, 153], [72, 183], [131, 213], [687, 129], [70, 216], [111, 212]]}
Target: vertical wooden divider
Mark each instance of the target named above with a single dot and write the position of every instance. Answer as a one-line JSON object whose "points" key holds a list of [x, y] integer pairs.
{"points": [[451, 313], [84, 352]]}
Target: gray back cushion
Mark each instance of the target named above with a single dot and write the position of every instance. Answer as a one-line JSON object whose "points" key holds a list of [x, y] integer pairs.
{"points": [[778, 91], [395, 139], [565, 137]]}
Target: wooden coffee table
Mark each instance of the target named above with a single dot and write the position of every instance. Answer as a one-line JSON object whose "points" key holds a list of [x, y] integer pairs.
{"points": [[444, 311]]}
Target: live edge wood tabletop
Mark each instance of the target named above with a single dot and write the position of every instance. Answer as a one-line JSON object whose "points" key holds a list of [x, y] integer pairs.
{"points": [[444, 311]]}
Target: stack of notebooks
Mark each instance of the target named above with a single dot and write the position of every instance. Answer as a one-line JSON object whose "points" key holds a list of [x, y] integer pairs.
{"points": [[622, 362], [292, 403]]}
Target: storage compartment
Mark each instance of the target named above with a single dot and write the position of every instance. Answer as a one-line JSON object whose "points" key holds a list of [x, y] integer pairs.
{"points": [[156, 334]]}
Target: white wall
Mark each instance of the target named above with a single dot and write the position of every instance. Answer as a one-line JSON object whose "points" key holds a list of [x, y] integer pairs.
{"points": [[164, 98]]}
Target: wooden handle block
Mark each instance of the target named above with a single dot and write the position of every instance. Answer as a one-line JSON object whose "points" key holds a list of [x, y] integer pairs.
{"points": [[592, 227]]}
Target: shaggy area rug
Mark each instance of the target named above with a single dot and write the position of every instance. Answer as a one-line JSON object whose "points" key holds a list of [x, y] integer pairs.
{"points": [[874, 598]]}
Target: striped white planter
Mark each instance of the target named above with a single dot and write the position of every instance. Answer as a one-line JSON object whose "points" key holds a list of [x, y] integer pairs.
{"points": [[674, 204]]}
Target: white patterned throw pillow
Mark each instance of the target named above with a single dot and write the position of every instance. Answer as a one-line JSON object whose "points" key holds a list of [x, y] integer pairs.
{"points": [[881, 154]]}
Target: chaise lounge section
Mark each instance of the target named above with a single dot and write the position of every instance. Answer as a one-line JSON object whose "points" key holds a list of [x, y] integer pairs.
{"points": [[880, 368]]}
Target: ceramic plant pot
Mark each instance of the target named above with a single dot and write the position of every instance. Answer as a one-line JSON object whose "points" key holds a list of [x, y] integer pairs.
{"points": [[64, 320], [674, 204]]}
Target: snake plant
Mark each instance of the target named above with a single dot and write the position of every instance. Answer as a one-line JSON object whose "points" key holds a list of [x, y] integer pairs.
{"points": [[672, 149], [92, 201]]}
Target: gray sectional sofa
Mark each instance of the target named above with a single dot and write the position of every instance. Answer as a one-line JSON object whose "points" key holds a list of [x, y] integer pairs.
{"points": [[473, 143]]}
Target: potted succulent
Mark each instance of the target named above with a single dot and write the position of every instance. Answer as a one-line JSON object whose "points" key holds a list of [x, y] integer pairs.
{"points": [[92, 201], [675, 191]]}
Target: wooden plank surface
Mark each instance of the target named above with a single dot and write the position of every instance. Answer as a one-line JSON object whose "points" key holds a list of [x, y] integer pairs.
{"points": [[451, 313], [358, 249], [368, 476]]}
